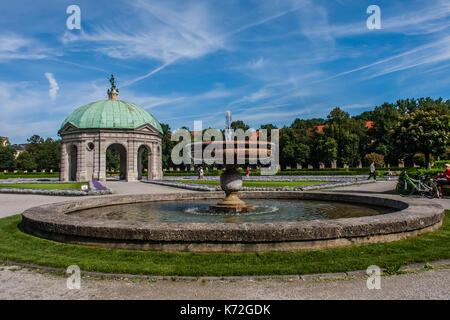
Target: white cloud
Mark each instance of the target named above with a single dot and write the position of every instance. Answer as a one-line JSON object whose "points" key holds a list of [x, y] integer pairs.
{"points": [[15, 46], [53, 85], [167, 34], [432, 52], [432, 17]]}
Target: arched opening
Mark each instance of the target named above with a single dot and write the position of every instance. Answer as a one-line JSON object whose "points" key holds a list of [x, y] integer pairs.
{"points": [[143, 162], [116, 161], [73, 155]]}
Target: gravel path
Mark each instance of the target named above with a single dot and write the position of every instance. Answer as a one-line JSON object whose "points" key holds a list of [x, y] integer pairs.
{"points": [[17, 283], [387, 187]]}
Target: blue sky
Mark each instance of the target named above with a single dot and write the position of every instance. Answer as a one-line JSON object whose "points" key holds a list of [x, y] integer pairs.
{"points": [[266, 61]]}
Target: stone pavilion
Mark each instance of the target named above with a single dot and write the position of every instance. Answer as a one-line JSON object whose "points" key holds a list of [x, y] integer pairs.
{"points": [[89, 131]]}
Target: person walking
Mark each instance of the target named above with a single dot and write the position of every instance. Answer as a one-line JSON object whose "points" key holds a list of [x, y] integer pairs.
{"points": [[372, 170], [200, 173], [248, 172]]}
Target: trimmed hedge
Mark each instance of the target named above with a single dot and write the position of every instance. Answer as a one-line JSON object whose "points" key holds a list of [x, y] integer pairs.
{"points": [[440, 163], [428, 174], [28, 175]]}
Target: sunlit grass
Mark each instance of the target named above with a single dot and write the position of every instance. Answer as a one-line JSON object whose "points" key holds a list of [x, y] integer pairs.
{"points": [[21, 247], [49, 186]]}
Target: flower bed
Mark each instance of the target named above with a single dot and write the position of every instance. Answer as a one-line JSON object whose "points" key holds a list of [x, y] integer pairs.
{"points": [[204, 187], [95, 189], [288, 178]]}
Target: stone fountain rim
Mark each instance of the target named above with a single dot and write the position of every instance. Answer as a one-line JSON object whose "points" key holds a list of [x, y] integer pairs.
{"points": [[52, 221]]}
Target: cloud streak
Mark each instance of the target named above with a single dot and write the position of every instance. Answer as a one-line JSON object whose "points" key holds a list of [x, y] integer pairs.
{"points": [[14, 46], [53, 85]]}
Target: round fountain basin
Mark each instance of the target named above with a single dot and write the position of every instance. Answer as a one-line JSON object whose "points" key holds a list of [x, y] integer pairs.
{"points": [[264, 210], [304, 221]]}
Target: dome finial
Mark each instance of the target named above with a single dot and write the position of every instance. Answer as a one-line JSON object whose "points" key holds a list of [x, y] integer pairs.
{"points": [[113, 93]]}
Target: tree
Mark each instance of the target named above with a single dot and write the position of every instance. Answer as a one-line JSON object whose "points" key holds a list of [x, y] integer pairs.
{"points": [[25, 161], [294, 148], [346, 132], [405, 106], [323, 149], [7, 158], [112, 160], [268, 127], [425, 130], [46, 153], [239, 124], [167, 146], [379, 141], [365, 116], [308, 126], [375, 157]]}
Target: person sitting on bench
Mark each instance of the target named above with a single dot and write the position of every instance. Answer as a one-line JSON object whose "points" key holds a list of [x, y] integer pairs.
{"points": [[443, 179]]}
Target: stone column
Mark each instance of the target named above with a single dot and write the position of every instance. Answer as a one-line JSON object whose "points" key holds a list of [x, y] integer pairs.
{"points": [[159, 163], [156, 165], [132, 174], [82, 172], [100, 160], [63, 174], [149, 164], [79, 160]]}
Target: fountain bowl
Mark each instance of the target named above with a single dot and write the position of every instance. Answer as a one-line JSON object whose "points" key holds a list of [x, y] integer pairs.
{"points": [[410, 217]]}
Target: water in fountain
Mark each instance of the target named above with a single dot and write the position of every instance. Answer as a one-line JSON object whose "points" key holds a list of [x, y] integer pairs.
{"points": [[199, 211]]}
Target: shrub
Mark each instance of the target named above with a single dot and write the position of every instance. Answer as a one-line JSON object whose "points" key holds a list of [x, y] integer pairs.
{"points": [[375, 157], [440, 163]]}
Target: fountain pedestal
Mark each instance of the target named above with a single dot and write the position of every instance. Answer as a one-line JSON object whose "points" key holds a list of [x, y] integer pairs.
{"points": [[231, 153], [231, 183]]}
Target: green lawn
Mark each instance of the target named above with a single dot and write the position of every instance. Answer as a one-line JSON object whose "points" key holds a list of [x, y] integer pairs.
{"points": [[259, 183], [20, 247], [50, 186]]}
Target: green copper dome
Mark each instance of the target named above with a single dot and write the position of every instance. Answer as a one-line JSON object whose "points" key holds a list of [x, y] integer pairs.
{"points": [[111, 114]]}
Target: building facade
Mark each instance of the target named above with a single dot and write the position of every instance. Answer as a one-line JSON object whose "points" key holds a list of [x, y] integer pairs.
{"points": [[92, 129]]}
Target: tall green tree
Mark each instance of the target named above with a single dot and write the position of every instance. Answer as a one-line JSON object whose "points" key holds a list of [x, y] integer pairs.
{"points": [[323, 149], [425, 130], [167, 146], [385, 119], [294, 148], [239, 124], [46, 153], [307, 126], [25, 161], [7, 158], [346, 132]]}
